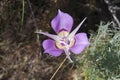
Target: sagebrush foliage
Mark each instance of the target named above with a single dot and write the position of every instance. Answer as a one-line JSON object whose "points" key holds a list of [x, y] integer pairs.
{"points": [[102, 61]]}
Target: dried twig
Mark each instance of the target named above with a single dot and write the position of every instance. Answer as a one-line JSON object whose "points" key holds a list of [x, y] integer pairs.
{"points": [[113, 10], [35, 24], [58, 68]]}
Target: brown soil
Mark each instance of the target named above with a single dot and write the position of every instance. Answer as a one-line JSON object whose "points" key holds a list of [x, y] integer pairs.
{"points": [[21, 54]]}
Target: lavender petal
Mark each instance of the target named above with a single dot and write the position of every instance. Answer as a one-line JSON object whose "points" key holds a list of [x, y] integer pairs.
{"points": [[72, 34], [50, 48], [52, 36], [62, 21], [68, 54], [81, 42]]}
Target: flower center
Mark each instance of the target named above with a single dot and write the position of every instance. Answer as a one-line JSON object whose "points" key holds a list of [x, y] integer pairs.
{"points": [[64, 42]]}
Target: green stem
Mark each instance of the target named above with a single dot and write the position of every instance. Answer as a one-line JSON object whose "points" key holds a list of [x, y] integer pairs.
{"points": [[23, 5]]}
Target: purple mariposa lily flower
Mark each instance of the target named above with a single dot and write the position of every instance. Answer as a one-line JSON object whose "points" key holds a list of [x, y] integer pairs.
{"points": [[64, 40]]}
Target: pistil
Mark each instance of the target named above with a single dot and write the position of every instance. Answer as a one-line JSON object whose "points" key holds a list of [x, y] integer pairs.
{"points": [[64, 42]]}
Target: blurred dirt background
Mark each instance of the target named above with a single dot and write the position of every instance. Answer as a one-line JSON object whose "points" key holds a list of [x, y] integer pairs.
{"points": [[21, 54]]}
